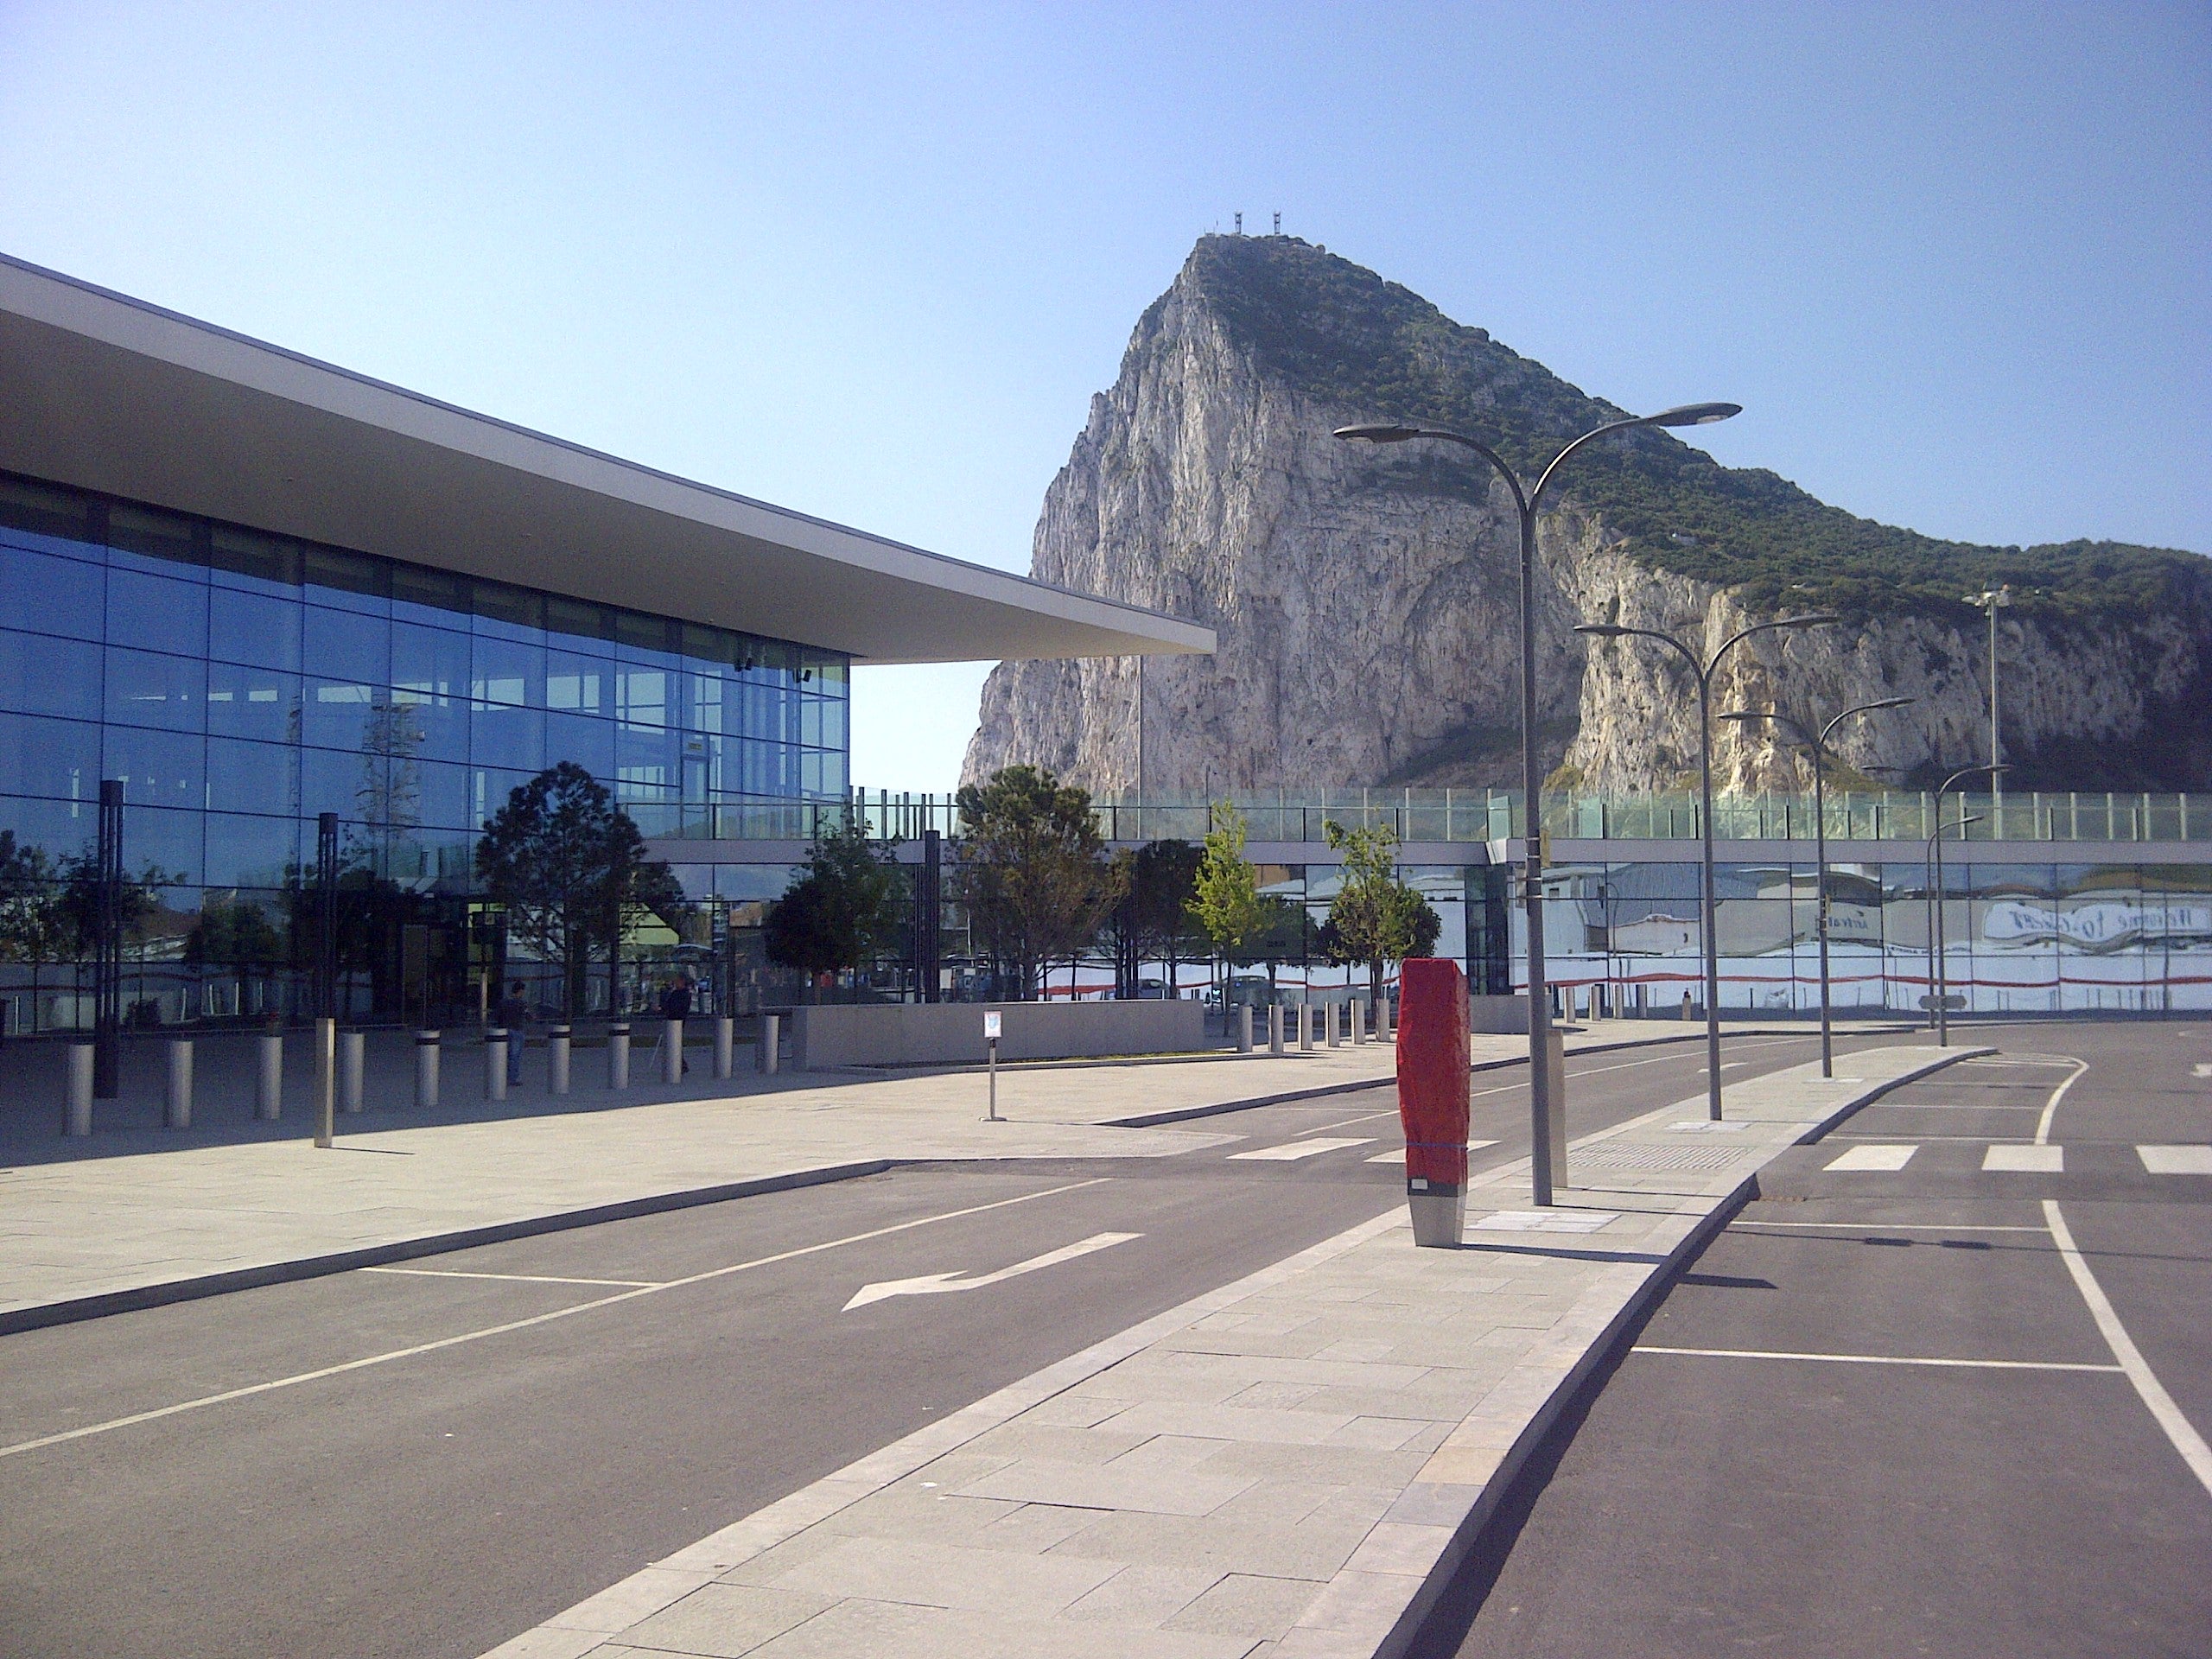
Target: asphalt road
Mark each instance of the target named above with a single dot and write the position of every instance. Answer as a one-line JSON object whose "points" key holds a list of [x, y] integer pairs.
{"points": [[1721, 1491], [481, 1452]]}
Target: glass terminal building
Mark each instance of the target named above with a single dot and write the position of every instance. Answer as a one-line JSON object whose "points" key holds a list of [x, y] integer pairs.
{"points": [[254, 590]]}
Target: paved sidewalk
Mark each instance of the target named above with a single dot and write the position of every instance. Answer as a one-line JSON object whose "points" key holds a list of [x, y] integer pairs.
{"points": [[1291, 1465], [143, 1214]]}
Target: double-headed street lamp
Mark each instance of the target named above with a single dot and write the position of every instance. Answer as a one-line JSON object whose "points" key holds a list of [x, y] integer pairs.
{"points": [[1818, 744], [1528, 501], [1940, 979], [1703, 670]]}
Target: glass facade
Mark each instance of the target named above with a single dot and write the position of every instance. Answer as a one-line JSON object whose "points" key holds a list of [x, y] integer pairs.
{"points": [[240, 685]]}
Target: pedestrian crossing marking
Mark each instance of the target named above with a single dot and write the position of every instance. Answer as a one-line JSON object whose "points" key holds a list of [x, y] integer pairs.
{"points": [[1873, 1157], [1399, 1155], [2176, 1160], [1291, 1151], [2041, 1160]]}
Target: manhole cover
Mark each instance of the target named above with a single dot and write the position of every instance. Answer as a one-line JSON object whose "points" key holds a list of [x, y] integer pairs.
{"points": [[1654, 1158]]}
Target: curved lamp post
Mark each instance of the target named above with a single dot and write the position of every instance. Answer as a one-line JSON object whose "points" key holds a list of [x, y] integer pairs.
{"points": [[1704, 672], [1941, 976], [1527, 501], [1818, 744]]}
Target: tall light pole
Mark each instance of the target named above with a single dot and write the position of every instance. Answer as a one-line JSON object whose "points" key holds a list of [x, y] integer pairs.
{"points": [[1818, 743], [1703, 670], [1942, 987], [1993, 600], [1527, 502]]}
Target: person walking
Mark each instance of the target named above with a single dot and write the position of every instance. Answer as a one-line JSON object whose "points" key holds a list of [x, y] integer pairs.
{"points": [[514, 1014], [675, 1007]]}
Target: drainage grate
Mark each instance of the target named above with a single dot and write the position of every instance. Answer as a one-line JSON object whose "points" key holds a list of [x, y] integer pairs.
{"points": [[1656, 1158]]}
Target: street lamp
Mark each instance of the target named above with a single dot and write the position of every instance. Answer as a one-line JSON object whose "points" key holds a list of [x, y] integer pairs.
{"points": [[1942, 988], [1819, 745], [1993, 600], [1526, 502], [1703, 671]]}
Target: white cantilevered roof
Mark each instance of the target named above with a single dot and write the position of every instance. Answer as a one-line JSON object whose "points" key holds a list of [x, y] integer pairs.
{"points": [[111, 394]]}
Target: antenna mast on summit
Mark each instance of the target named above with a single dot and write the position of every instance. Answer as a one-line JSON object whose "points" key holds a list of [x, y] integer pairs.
{"points": [[1278, 223], [1240, 223]]}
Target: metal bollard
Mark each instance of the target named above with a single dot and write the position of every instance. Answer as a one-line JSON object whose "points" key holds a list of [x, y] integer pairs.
{"points": [[269, 1086], [495, 1063], [725, 1047], [177, 1113], [1243, 1027], [1331, 1017], [78, 1120], [1306, 1025], [672, 1052], [618, 1055], [1275, 1028], [556, 1058], [426, 1068], [326, 1083], [1358, 1024], [353, 1069], [772, 1031]]}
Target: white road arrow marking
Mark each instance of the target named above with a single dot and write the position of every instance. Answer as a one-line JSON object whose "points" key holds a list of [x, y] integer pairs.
{"points": [[931, 1284]]}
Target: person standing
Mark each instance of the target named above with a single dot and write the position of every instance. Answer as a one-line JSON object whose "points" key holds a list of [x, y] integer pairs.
{"points": [[514, 1014]]}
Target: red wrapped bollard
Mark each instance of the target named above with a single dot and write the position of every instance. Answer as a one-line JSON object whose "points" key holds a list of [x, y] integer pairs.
{"points": [[1432, 1088]]}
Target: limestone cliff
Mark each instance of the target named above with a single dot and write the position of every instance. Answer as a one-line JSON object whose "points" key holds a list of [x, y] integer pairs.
{"points": [[1365, 598]]}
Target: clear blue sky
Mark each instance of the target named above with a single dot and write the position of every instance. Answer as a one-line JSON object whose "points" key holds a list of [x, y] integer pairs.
{"points": [[871, 262]]}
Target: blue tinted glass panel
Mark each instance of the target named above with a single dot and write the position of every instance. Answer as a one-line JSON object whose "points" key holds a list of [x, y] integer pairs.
{"points": [[146, 538], [147, 689], [833, 724], [339, 714], [643, 695], [442, 795], [507, 671], [251, 852], [501, 736], [438, 599], [347, 582], [504, 613], [46, 516], [61, 829], [46, 595], [44, 756], [260, 702], [488, 790], [834, 781], [589, 743], [40, 676], [435, 730], [578, 684], [252, 777], [157, 768], [253, 628], [346, 645], [154, 614], [261, 564], [163, 840], [644, 764], [334, 780], [429, 664]]}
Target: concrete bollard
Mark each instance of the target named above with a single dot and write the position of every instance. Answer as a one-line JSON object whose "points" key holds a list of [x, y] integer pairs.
{"points": [[353, 1069], [269, 1085], [1304, 1024], [556, 1058], [77, 1118], [1686, 1014], [495, 1063], [426, 1068], [771, 1042], [618, 1055], [1359, 1023], [725, 1047], [326, 1083], [1274, 1027], [1332, 1014], [672, 1052], [1383, 1019], [1243, 1027], [176, 1111]]}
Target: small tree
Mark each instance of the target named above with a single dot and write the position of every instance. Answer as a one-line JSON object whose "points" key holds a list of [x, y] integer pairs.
{"points": [[1225, 901], [568, 864], [234, 936], [841, 906], [1035, 873], [1375, 918]]}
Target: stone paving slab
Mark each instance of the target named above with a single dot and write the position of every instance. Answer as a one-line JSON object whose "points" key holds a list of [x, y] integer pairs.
{"points": [[135, 1216], [1292, 1465]]}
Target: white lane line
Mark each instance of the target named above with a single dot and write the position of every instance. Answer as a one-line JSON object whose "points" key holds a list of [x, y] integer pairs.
{"points": [[1882, 1359], [1291, 1151], [935, 1284], [2176, 1160], [2187, 1441], [1399, 1156], [365, 1363], [2047, 1060], [1892, 1226], [516, 1278], [2050, 1107], [2037, 1161], [1323, 1128], [1873, 1156]]}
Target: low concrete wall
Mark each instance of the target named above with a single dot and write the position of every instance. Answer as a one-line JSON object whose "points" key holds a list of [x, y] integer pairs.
{"points": [[1499, 1016], [952, 1033]]}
